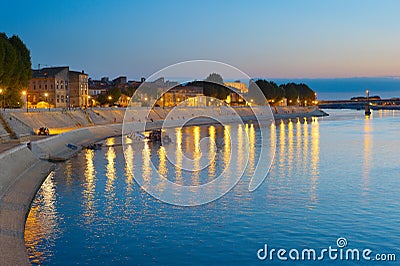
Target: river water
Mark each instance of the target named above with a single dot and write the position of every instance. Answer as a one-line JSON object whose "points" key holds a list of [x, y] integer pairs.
{"points": [[333, 177]]}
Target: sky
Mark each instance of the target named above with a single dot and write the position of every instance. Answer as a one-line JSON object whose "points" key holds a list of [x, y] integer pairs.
{"points": [[272, 39]]}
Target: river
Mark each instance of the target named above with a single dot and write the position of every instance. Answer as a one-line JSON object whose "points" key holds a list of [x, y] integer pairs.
{"points": [[332, 177]]}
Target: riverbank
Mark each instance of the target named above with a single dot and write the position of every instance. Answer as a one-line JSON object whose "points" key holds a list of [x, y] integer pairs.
{"points": [[26, 166]]}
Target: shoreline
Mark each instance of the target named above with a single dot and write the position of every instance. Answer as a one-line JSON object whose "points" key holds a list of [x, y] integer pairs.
{"points": [[29, 167]]}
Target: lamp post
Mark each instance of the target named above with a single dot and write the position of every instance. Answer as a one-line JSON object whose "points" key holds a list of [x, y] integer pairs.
{"points": [[46, 95], [109, 99], [367, 110], [88, 101], [26, 100]]}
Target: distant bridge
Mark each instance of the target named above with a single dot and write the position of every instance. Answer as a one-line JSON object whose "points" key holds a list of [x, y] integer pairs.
{"points": [[375, 104]]}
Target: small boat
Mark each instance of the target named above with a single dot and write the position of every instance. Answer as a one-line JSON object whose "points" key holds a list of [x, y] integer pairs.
{"points": [[72, 146], [94, 146], [136, 136], [158, 135]]}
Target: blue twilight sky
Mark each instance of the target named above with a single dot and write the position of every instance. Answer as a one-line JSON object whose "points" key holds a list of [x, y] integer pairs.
{"points": [[272, 39]]}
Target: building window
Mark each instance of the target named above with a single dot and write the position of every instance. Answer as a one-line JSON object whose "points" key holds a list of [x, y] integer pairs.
{"points": [[45, 87], [40, 86], [58, 100], [34, 87]]}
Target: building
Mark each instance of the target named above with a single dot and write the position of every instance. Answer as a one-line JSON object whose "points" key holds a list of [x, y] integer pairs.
{"points": [[191, 95], [242, 87], [96, 91], [78, 89], [48, 88]]}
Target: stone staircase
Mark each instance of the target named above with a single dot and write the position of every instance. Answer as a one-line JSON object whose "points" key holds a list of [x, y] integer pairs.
{"points": [[6, 132]]}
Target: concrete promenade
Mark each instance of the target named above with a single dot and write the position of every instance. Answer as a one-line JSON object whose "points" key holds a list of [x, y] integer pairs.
{"points": [[23, 168]]}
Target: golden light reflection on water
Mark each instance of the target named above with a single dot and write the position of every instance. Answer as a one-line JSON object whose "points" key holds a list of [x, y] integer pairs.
{"points": [[129, 167], [298, 154], [146, 168], [314, 162], [89, 210], [273, 139], [305, 145], [42, 221], [196, 155], [252, 147], [110, 174], [290, 150], [282, 144], [367, 154], [240, 140], [178, 156], [227, 147], [299, 141], [162, 167], [211, 159]]}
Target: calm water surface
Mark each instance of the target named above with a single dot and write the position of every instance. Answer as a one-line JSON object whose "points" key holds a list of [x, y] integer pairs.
{"points": [[332, 177]]}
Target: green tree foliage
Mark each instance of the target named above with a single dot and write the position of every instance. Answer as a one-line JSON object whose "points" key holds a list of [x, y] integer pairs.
{"points": [[115, 93], [291, 91], [15, 69], [270, 90], [213, 86], [301, 92]]}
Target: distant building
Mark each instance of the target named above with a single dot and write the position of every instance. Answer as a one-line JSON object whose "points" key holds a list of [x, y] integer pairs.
{"points": [[48, 87], [242, 87], [105, 80], [191, 95], [96, 91], [121, 80], [78, 89]]}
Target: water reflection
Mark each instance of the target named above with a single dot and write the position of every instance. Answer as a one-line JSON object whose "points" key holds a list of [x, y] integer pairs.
{"points": [[314, 162], [289, 208], [298, 154], [129, 167], [109, 192], [42, 223], [90, 187], [227, 148], [212, 148], [178, 156], [367, 154]]}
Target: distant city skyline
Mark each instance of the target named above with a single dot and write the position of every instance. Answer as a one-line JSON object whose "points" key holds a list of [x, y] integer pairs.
{"points": [[271, 39]]}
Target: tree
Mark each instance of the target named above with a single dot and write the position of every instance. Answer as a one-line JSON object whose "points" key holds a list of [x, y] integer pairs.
{"points": [[9, 64], [103, 99], [213, 86], [274, 93], [215, 78], [15, 68], [24, 69]]}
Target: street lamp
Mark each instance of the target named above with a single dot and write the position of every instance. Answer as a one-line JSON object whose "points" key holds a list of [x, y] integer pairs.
{"points": [[109, 99], [46, 95], [88, 101], [26, 99]]}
